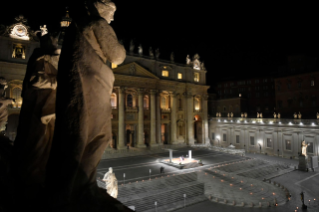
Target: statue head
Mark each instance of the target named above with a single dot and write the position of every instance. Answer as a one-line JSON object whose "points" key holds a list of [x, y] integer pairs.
{"points": [[106, 9], [111, 170]]}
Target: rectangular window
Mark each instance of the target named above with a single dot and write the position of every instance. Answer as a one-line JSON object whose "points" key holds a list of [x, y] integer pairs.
{"points": [[165, 73], [269, 142], [179, 76], [18, 51], [224, 137], [213, 136], [310, 147], [252, 140], [196, 77], [288, 144], [237, 139]]}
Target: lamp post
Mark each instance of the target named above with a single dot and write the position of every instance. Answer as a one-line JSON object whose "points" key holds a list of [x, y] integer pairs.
{"points": [[124, 177], [150, 172], [155, 203], [184, 200]]}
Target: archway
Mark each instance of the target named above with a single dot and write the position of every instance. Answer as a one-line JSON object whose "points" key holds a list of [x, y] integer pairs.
{"points": [[164, 133], [12, 126], [146, 139], [114, 140], [198, 132]]}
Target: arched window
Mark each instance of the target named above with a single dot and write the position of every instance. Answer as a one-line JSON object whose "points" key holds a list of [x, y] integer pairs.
{"points": [[197, 104], [146, 102], [16, 94], [113, 101], [164, 102], [129, 100]]}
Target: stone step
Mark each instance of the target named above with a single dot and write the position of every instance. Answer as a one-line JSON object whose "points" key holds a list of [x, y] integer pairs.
{"points": [[166, 197]]}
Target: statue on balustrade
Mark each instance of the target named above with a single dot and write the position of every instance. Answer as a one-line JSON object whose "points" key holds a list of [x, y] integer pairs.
{"points": [[295, 115], [257, 115], [278, 115], [111, 183], [83, 109], [304, 147], [231, 114], [275, 116], [299, 115], [36, 122], [4, 102]]}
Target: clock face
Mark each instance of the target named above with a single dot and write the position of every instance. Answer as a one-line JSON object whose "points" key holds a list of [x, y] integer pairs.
{"points": [[20, 30]]}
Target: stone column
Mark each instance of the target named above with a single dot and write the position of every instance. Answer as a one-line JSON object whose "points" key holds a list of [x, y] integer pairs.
{"points": [[190, 118], [153, 119], [158, 119], [173, 117], [121, 143], [205, 119], [140, 128]]}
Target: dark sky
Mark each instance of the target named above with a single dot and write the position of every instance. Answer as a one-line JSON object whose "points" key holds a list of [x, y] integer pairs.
{"points": [[232, 39]]}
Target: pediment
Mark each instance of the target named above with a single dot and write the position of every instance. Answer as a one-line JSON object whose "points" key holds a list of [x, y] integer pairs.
{"points": [[133, 69]]}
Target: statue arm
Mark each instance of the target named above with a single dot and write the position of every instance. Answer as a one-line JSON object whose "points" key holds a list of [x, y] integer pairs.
{"points": [[108, 42]]}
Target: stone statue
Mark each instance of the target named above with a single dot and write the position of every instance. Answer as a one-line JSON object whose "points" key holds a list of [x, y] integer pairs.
{"points": [[295, 115], [217, 114], [111, 183], [299, 115], [83, 109], [317, 115], [257, 115], [231, 114], [132, 46], [228, 115], [172, 57], [36, 121], [151, 52], [242, 115], [157, 53], [44, 30], [220, 114], [275, 116], [261, 115], [202, 66], [188, 60], [4, 102], [278, 115], [140, 49], [245, 115], [304, 148], [196, 62]]}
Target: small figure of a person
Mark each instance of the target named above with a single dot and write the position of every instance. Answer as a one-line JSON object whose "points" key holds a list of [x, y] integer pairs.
{"points": [[162, 169]]}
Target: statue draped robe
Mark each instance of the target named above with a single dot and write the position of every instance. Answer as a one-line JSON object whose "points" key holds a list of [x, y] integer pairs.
{"points": [[83, 109]]}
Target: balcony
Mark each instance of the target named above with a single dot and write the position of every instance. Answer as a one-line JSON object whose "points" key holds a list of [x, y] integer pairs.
{"points": [[131, 109], [165, 110]]}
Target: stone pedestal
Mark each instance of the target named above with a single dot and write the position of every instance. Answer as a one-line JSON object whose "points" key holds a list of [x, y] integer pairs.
{"points": [[303, 163]]}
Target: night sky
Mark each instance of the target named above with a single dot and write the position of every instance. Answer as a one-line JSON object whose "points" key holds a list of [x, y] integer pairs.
{"points": [[233, 40]]}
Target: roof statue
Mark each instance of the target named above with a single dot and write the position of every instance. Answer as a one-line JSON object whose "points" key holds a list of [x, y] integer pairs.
{"points": [[140, 49], [157, 53], [202, 66], [172, 57], [132, 46], [188, 60], [44, 30], [150, 50], [196, 62]]}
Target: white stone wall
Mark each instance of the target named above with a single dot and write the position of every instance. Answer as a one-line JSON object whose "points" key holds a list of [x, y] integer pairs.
{"points": [[278, 130]]}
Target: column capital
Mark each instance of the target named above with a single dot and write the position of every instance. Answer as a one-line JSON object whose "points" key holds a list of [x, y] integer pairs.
{"points": [[122, 89], [153, 91], [172, 93], [188, 94], [140, 91]]}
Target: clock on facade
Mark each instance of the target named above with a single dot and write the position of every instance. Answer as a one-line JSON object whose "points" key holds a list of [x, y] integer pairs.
{"points": [[20, 30]]}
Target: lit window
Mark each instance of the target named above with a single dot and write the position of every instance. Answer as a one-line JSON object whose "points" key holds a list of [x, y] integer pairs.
{"points": [[196, 77], [165, 73], [288, 145], [114, 66], [197, 104], [18, 51], [269, 142], [113, 101], [179, 76], [312, 83], [252, 140]]}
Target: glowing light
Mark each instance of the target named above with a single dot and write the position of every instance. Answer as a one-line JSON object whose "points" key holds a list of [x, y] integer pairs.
{"points": [[301, 123], [270, 122], [290, 123], [313, 124], [280, 122], [254, 122]]}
